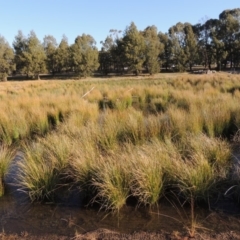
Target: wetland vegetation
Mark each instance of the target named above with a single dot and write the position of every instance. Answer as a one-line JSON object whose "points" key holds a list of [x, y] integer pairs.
{"points": [[128, 141]]}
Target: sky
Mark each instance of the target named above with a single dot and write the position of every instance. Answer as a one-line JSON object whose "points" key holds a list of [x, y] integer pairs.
{"points": [[97, 17]]}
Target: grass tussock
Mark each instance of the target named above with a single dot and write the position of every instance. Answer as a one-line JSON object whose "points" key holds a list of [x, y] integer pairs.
{"points": [[201, 163], [194, 177], [37, 176], [44, 167], [111, 183], [148, 173], [121, 138], [6, 157]]}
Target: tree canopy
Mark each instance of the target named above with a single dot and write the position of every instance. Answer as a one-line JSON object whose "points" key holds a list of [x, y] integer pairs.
{"points": [[50, 47], [84, 55], [211, 43], [153, 49], [6, 59], [30, 54]]}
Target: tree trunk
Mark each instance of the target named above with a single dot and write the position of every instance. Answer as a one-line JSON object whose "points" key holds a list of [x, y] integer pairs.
{"points": [[209, 65], [219, 65], [231, 60], [190, 67]]}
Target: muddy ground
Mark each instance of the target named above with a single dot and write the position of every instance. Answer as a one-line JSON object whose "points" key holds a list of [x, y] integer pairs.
{"points": [[50, 221], [102, 234]]}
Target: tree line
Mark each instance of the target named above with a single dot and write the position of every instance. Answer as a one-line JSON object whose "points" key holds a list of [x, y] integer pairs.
{"points": [[214, 41]]}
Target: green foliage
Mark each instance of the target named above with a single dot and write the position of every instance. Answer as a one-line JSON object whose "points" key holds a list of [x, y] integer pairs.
{"points": [[177, 36], [165, 55], [50, 47], [19, 46], [106, 56], [6, 59], [30, 55], [153, 48], [191, 46], [217, 46], [213, 41], [133, 47], [229, 32], [84, 55], [62, 55]]}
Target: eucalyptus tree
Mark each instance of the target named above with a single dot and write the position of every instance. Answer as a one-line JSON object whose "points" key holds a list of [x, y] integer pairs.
{"points": [[153, 48], [50, 48], [218, 48], [177, 36], [166, 55], [20, 46], [203, 33], [6, 59], [62, 55], [133, 47], [219, 52], [191, 48], [105, 55], [84, 55], [236, 58], [111, 55], [230, 29], [30, 55], [118, 53]]}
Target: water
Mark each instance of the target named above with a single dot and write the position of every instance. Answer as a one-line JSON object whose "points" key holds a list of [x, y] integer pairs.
{"points": [[68, 216], [41, 219], [37, 218]]}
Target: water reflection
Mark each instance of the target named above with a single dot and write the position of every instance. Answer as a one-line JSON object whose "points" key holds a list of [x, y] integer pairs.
{"points": [[68, 215]]}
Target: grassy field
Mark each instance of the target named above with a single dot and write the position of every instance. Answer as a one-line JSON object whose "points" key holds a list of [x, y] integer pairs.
{"points": [[122, 139]]}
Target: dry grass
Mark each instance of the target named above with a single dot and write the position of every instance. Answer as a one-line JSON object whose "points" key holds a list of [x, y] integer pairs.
{"points": [[126, 137], [6, 157], [149, 164]]}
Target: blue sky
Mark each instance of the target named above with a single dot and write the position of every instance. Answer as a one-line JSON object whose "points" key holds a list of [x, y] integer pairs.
{"points": [[97, 17]]}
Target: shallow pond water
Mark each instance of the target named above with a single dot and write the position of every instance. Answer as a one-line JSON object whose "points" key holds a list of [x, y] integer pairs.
{"points": [[69, 216], [40, 219]]}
